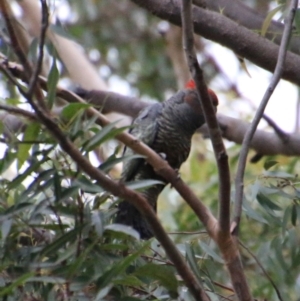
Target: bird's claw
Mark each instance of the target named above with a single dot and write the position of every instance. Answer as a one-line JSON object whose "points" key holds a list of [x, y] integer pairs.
{"points": [[163, 156], [177, 177]]}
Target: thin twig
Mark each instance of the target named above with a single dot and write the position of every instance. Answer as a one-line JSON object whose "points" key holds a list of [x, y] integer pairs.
{"points": [[297, 123], [280, 133], [239, 182], [18, 111], [4, 8], [38, 67], [7, 73], [15, 43], [210, 118], [188, 233], [284, 137], [263, 270]]}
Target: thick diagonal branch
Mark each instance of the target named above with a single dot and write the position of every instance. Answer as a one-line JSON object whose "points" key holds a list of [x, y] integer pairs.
{"points": [[218, 28]]}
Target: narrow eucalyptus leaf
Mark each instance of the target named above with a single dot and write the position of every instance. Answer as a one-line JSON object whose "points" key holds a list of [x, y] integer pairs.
{"points": [[53, 78], [269, 164], [137, 185], [71, 110], [30, 134], [123, 229], [267, 203]]}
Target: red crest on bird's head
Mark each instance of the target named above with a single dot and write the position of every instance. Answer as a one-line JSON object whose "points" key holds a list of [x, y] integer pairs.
{"points": [[191, 85]]}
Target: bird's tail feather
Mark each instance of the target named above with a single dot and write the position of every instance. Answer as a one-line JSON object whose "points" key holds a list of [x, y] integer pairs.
{"points": [[128, 215]]}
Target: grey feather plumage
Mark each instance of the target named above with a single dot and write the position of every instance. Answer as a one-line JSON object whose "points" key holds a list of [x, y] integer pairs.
{"points": [[167, 128]]}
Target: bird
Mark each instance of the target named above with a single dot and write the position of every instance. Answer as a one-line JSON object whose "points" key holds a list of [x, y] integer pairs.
{"points": [[167, 128]]}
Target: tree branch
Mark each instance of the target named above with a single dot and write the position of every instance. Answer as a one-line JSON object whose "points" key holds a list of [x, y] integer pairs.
{"points": [[233, 129], [18, 111], [280, 133], [109, 102], [210, 118], [246, 16], [4, 8], [33, 82], [239, 182], [222, 30], [223, 238]]}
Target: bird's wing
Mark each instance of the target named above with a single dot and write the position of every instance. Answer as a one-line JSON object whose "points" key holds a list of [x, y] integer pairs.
{"points": [[145, 128]]}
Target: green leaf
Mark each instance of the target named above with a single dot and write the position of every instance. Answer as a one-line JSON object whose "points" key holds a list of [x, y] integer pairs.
{"points": [[252, 213], [71, 110], [119, 268], [255, 189], [128, 280], [103, 292], [130, 299], [143, 184], [113, 160], [279, 174], [191, 258], [48, 279], [206, 248], [31, 168], [294, 215], [30, 134], [5, 229], [53, 247], [298, 210], [8, 158], [108, 132], [269, 164], [57, 187], [53, 78], [123, 229], [33, 49], [13, 210], [36, 187], [114, 247], [53, 227], [268, 19], [19, 281], [297, 20], [267, 203], [80, 260], [86, 185], [97, 222], [286, 218], [67, 193], [277, 244], [163, 273]]}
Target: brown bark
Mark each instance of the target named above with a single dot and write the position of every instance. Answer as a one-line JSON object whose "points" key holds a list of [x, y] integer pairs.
{"points": [[222, 30]]}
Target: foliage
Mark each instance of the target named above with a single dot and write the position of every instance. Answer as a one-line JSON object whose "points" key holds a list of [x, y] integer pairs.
{"points": [[270, 227], [57, 238]]}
